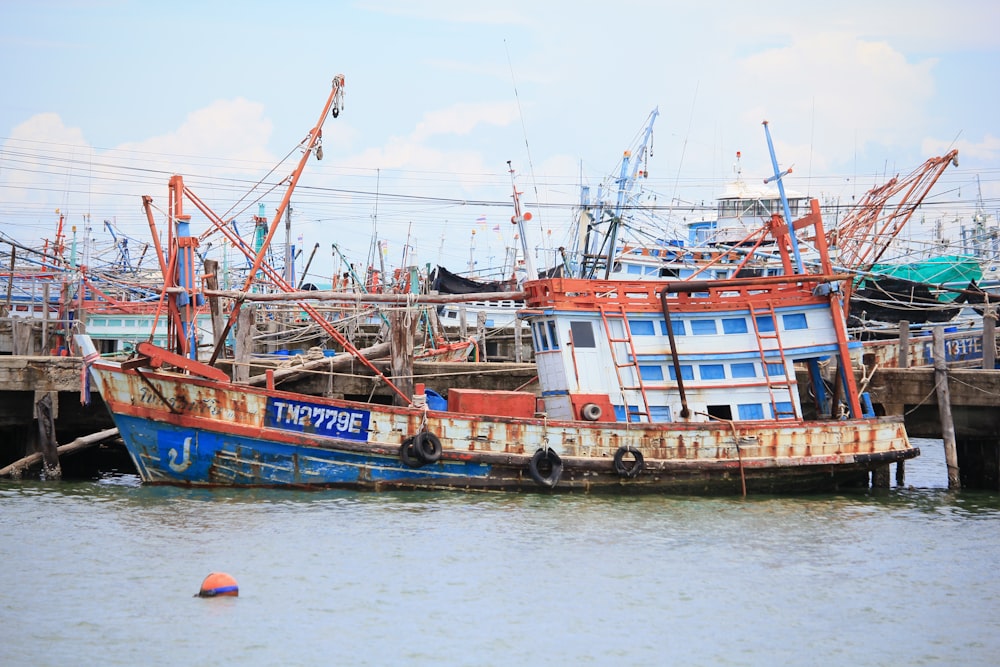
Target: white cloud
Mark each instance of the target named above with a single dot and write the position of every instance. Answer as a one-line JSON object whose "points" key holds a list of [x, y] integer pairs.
{"points": [[851, 91], [461, 119], [985, 150], [233, 133]]}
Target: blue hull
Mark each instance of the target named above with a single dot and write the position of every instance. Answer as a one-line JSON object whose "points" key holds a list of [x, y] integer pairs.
{"points": [[178, 455]]}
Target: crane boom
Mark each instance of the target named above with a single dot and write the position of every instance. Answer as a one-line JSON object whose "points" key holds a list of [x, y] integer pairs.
{"points": [[865, 233]]}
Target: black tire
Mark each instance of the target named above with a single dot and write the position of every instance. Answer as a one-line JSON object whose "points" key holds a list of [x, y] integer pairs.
{"points": [[623, 467], [545, 468], [408, 454], [427, 446]]}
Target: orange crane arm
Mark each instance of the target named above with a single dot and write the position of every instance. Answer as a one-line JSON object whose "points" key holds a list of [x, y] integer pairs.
{"points": [[865, 233]]}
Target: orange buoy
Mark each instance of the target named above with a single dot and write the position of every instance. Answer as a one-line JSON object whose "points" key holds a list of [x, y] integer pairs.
{"points": [[218, 584]]}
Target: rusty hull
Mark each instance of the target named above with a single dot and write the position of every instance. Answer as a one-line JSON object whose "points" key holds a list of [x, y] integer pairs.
{"points": [[181, 429]]}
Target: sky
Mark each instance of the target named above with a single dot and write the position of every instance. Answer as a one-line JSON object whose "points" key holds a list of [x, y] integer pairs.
{"points": [[104, 100]]}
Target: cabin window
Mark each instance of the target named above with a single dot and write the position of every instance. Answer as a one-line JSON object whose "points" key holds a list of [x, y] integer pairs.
{"points": [[720, 411], [633, 269], [641, 327], [451, 314], [583, 334], [794, 321], [660, 413], [703, 327], [784, 410], [553, 336], [774, 370], [669, 273], [651, 373], [765, 323], [743, 370], [678, 326], [750, 411], [712, 372], [687, 373], [541, 340], [627, 414], [735, 325]]}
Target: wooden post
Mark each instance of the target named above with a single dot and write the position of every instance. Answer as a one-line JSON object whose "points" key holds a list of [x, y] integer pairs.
{"points": [[433, 324], [46, 443], [463, 323], [402, 325], [65, 307], [214, 307], [45, 319], [518, 352], [990, 338], [21, 333], [901, 473], [10, 280], [243, 342], [904, 344], [944, 409], [481, 334]]}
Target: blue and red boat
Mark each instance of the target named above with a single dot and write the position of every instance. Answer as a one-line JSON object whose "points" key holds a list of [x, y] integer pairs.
{"points": [[666, 386]]}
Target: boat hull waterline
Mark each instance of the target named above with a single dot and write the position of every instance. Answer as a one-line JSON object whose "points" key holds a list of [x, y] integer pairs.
{"points": [[223, 434]]}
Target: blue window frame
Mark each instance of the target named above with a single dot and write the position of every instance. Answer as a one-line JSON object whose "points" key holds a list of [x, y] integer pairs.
{"points": [[794, 321], [621, 415], [784, 410], [735, 325], [703, 327], [642, 327], [712, 371], [651, 373], [774, 370], [553, 336], [750, 411], [743, 370], [678, 325], [687, 373], [660, 413], [541, 339], [765, 323]]}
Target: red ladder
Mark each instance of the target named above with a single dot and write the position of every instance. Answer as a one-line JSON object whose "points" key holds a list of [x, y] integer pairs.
{"points": [[631, 361], [774, 383]]}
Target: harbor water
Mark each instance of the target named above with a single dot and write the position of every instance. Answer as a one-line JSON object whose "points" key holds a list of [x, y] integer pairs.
{"points": [[105, 572]]}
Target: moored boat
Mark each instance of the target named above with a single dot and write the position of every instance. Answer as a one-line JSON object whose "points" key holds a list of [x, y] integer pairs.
{"points": [[668, 386]]}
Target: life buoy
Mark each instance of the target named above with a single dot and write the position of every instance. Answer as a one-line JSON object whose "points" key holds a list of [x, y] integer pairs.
{"points": [[427, 446], [545, 468], [623, 467], [408, 454], [591, 412]]}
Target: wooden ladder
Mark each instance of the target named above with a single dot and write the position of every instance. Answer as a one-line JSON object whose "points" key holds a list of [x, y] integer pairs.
{"points": [[774, 383], [631, 361]]}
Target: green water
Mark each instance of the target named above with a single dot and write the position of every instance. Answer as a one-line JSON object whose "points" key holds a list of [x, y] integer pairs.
{"points": [[104, 572]]}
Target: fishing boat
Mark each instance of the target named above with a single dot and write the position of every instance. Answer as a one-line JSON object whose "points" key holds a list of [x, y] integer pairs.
{"points": [[657, 385], [936, 289]]}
